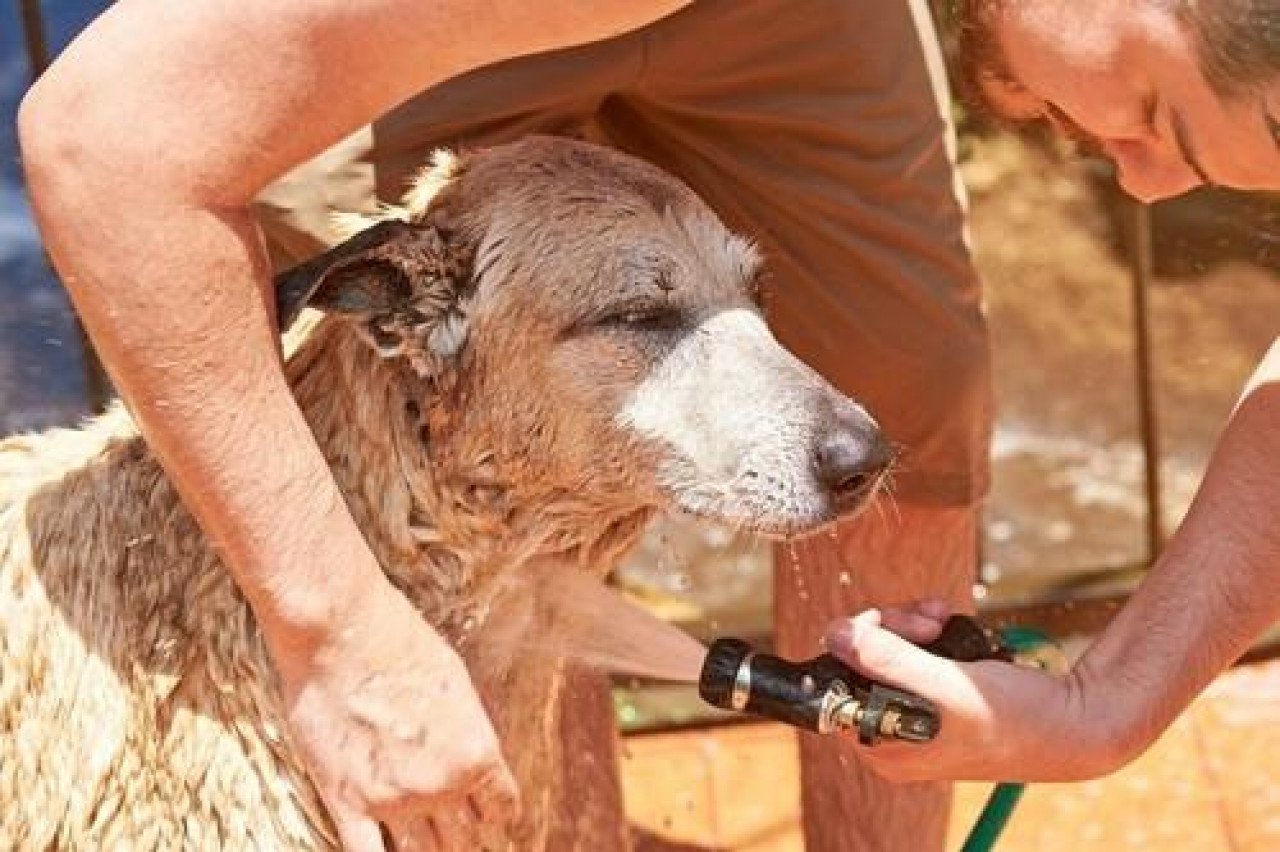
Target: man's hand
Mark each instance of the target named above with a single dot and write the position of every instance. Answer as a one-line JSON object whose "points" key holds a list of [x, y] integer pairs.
{"points": [[392, 732], [1210, 594], [1000, 721]]}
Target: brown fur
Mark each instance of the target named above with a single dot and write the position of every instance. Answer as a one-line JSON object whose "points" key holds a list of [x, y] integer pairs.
{"points": [[138, 707]]}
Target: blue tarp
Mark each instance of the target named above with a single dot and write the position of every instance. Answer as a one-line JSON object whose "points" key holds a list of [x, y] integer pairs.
{"points": [[41, 365]]}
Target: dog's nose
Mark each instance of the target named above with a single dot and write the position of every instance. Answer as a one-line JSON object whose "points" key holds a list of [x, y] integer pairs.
{"points": [[850, 463]]}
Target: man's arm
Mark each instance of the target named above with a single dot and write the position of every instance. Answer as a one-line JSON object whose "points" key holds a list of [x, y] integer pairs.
{"points": [[1213, 591], [144, 145], [1216, 587]]}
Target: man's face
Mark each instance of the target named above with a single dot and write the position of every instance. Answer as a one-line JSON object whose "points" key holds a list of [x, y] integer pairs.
{"points": [[1126, 75]]}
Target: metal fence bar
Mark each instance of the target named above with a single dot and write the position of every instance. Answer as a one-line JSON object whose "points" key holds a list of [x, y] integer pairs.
{"points": [[1089, 613], [1141, 269], [33, 31], [97, 386]]}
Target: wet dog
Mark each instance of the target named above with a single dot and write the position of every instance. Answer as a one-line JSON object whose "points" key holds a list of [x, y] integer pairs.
{"points": [[548, 342]]}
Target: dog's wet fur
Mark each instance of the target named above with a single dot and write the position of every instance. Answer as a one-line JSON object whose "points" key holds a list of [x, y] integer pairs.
{"points": [[547, 343]]}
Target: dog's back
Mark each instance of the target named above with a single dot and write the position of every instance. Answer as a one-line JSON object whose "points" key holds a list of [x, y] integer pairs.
{"points": [[138, 706], [135, 702]]}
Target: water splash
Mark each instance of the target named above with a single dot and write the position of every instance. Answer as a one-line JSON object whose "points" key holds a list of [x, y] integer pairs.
{"points": [[797, 571], [589, 622]]}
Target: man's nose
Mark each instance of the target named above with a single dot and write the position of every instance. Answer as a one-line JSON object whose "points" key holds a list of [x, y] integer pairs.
{"points": [[1150, 175]]}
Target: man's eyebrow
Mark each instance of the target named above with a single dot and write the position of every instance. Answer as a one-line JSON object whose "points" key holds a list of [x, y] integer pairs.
{"points": [[1065, 124], [1182, 136], [1272, 124]]}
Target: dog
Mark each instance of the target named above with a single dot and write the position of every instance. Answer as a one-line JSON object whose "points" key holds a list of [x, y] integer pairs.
{"points": [[547, 343]]}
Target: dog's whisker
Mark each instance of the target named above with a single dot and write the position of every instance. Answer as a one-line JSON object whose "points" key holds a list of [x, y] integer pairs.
{"points": [[878, 506]]}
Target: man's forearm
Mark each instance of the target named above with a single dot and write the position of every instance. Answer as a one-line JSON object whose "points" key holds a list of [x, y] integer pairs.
{"points": [[1212, 592], [196, 358]]}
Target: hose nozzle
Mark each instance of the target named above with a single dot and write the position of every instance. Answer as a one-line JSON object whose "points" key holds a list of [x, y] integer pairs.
{"points": [[823, 695]]}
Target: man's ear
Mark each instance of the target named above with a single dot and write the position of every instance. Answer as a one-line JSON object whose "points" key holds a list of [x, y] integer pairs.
{"points": [[402, 283]]}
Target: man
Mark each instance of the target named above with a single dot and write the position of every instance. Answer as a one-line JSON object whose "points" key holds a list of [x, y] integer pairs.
{"points": [[1178, 94], [819, 128]]}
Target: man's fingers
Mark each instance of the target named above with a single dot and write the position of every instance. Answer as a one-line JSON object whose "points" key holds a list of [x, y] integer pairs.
{"points": [[413, 834], [921, 621], [356, 832], [456, 829], [912, 624], [487, 812], [865, 644], [496, 798], [936, 608]]}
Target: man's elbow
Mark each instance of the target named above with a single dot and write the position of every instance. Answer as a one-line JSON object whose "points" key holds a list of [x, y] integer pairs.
{"points": [[78, 149], [50, 148], [67, 155]]}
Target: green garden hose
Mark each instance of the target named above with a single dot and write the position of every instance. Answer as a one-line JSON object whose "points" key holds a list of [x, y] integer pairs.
{"points": [[1030, 645], [995, 815]]}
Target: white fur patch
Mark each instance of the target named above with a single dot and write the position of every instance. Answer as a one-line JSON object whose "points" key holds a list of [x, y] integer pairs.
{"points": [[739, 413], [694, 400], [433, 178]]}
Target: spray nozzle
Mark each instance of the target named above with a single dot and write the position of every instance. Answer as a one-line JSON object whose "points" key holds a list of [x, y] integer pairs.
{"points": [[824, 695]]}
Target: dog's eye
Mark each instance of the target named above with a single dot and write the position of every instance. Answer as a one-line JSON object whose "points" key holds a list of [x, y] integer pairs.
{"points": [[642, 316], [637, 317]]}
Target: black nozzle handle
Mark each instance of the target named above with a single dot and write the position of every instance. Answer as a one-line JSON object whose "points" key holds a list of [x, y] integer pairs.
{"points": [[824, 694]]}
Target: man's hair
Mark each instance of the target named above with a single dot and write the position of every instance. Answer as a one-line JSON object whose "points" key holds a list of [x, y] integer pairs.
{"points": [[981, 58], [1238, 42]]}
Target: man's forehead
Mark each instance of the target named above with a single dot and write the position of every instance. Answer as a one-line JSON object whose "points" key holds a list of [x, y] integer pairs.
{"points": [[1054, 56], [1084, 34], [1074, 51]]}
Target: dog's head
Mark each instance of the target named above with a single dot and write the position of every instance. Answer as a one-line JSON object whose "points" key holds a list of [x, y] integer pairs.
{"points": [[582, 322]]}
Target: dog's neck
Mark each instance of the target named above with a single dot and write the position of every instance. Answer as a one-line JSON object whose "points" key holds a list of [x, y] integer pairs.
{"points": [[443, 524]]}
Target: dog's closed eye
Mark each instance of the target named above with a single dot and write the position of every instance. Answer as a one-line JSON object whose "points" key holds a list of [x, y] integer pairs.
{"points": [[645, 312], [649, 310]]}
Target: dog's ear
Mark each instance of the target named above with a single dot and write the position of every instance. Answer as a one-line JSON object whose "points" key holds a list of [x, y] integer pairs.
{"points": [[402, 283]]}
